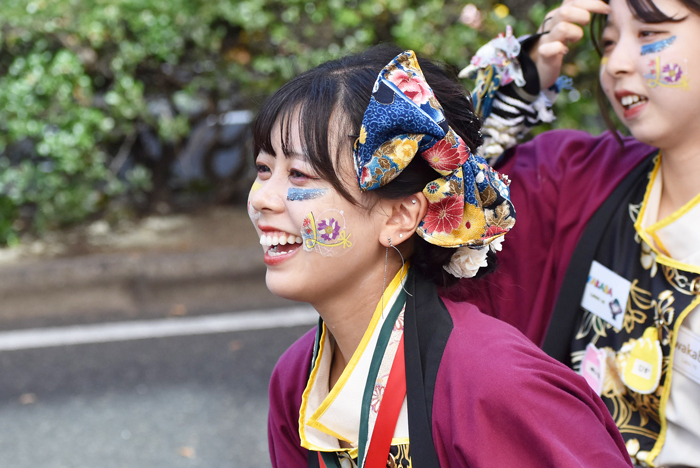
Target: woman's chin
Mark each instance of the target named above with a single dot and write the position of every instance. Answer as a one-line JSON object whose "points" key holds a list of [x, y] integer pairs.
{"points": [[293, 289]]}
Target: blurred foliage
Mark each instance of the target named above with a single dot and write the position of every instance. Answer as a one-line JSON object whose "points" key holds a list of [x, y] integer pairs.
{"points": [[84, 82]]}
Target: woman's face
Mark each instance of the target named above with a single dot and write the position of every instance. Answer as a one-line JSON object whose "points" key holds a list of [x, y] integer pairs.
{"points": [[651, 72], [315, 242]]}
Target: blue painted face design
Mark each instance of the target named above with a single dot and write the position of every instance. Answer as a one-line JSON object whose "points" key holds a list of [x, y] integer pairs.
{"points": [[298, 194], [658, 46]]}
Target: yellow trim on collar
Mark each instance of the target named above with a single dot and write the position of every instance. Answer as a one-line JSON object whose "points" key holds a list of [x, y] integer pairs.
{"points": [[305, 396], [676, 215], [314, 422], [667, 387], [662, 248], [662, 257]]}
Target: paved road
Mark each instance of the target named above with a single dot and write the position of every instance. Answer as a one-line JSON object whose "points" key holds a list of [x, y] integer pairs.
{"points": [[165, 402]]}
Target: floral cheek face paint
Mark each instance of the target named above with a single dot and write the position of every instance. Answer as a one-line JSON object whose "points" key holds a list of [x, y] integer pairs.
{"points": [[325, 233], [667, 74], [658, 46], [300, 194]]}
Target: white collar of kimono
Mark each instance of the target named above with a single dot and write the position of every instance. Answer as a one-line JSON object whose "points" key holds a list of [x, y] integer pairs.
{"points": [[328, 416], [676, 238]]}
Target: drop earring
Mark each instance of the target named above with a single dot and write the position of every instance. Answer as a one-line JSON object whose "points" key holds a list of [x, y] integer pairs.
{"points": [[403, 264], [386, 261]]}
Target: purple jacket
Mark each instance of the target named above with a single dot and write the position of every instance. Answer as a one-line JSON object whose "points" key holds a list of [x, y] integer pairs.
{"points": [[480, 394], [558, 181]]}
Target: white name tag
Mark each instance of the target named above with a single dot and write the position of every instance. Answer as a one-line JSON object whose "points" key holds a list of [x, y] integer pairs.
{"points": [[606, 294], [686, 358]]}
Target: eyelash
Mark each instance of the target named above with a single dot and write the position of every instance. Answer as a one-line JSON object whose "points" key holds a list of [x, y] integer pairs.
{"points": [[298, 174], [294, 173]]}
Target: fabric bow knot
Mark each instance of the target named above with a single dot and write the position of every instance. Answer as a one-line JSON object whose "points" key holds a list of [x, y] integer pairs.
{"points": [[469, 204]]}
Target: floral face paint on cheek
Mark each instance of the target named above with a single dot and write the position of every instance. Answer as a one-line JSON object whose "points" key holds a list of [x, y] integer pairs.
{"points": [[325, 233], [667, 74], [300, 194], [658, 46]]}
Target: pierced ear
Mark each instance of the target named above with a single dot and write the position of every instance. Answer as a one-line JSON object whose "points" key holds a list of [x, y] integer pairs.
{"points": [[406, 215]]}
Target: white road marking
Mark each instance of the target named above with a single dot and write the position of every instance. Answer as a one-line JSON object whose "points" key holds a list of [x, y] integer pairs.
{"points": [[135, 330]]}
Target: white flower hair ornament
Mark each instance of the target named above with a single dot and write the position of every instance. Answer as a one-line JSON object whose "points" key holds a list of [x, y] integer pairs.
{"points": [[469, 204], [466, 261]]}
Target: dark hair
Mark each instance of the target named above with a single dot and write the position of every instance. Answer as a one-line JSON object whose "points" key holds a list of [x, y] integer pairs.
{"points": [[328, 103], [643, 10]]}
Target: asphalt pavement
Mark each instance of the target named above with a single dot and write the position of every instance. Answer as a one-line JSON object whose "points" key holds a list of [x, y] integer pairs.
{"points": [[168, 399], [169, 402]]}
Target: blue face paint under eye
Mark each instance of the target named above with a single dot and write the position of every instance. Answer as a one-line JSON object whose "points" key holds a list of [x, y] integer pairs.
{"points": [[657, 46], [299, 194]]}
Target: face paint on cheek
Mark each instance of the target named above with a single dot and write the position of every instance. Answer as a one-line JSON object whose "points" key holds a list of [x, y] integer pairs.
{"points": [[669, 74], [658, 46], [300, 194], [325, 233], [603, 64], [252, 212]]}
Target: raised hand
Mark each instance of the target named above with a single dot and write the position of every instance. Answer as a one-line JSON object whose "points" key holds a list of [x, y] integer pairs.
{"points": [[561, 27]]}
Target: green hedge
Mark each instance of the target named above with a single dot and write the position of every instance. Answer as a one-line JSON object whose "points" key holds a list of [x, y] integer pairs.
{"points": [[79, 79]]}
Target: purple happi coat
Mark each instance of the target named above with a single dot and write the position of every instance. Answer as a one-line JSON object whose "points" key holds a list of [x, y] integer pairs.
{"points": [[480, 394], [558, 181]]}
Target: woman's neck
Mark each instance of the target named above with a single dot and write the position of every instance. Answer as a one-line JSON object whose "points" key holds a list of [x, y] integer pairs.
{"points": [[348, 314], [680, 170]]}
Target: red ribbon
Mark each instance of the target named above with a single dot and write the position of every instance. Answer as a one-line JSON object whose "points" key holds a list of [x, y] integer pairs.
{"points": [[389, 409]]}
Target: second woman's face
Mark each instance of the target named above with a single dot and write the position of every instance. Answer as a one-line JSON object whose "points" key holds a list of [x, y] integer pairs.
{"points": [[651, 72], [315, 242]]}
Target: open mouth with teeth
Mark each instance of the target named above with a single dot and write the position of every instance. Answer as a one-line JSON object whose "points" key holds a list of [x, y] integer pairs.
{"points": [[279, 243], [632, 100]]}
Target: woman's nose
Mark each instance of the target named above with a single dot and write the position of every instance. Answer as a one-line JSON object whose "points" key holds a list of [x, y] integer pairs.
{"points": [[621, 60], [267, 196]]}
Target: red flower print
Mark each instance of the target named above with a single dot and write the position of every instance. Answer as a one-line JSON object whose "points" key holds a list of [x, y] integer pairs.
{"points": [[306, 227], [492, 231], [444, 157], [445, 215], [652, 65], [412, 86]]}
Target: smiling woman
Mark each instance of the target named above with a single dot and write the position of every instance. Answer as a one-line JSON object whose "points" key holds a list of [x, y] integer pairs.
{"points": [[623, 212], [367, 165]]}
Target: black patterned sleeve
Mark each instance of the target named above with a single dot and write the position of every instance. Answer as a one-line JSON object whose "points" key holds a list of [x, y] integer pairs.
{"points": [[509, 111]]}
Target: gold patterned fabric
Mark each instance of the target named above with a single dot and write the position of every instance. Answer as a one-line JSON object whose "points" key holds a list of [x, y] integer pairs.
{"points": [[660, 297]]}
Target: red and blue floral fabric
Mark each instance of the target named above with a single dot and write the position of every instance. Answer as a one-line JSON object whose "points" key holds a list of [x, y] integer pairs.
{"points": [[469, 202]]}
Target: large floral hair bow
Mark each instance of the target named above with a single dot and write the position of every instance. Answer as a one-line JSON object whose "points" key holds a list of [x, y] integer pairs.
{"points": [[469, 203]]}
